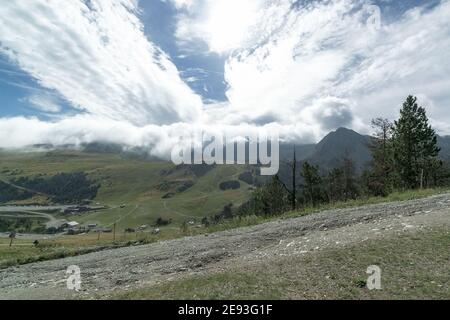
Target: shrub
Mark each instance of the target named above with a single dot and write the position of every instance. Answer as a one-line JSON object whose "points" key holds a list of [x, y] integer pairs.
{"points": [[230, 185]]}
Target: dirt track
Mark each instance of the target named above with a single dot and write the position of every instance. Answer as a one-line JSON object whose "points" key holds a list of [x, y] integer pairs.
{"points": [[123, 268]]}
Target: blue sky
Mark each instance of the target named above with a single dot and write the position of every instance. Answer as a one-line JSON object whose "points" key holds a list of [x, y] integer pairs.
{"points": [[208, 67], [299, 67]]}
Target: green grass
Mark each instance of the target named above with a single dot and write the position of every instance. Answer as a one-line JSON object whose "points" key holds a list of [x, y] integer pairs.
{"points": [[246, 221], [131, 182], [395, 196], [13, 257], [414, 266], [236, 286], [23, 251]]}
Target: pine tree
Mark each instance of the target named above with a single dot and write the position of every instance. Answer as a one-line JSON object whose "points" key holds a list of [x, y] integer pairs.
{"points": [[414, 143], [335, 185], [351, 190], [379, 180], [294, 182], [271, 199], [312, 188], [292, 193]]}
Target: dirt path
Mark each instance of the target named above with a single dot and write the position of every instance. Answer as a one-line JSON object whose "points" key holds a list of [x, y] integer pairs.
{"points": [[33, 214], [43, 215], [143, 265]]}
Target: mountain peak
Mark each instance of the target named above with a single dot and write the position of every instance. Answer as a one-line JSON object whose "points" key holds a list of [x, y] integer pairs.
{"points": [[343, 130], [337, 145]]}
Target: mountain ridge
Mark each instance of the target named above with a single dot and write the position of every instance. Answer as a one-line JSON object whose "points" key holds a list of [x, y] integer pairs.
{"points": [[327, 153], [343, 142]]}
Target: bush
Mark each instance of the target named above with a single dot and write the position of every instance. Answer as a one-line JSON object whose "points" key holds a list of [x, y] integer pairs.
{"points": [[160, 222], [230, 185], [247, 177]]}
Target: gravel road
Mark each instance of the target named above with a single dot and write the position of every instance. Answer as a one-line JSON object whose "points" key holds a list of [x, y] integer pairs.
{"points": [[119, 269]]}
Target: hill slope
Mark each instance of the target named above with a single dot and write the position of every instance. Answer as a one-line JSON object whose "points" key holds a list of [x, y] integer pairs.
{"points": [[137, 191], [276, 245]]}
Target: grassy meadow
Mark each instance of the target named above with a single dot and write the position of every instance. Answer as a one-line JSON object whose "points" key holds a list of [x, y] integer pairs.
{"points": [[414, 266], [129, 187]]}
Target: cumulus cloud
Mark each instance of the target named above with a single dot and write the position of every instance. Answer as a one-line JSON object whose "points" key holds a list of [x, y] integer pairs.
{"points": [[302, 68], [301, 53], [95, 55], [223, 25], [330, 113], [409, 56]]}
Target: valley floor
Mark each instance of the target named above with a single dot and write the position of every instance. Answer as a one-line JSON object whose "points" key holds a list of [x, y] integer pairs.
{"points": [[320, 256]]}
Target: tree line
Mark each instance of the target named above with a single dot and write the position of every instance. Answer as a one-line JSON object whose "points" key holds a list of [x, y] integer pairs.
{"points": [[404, 156], [69, 188]]}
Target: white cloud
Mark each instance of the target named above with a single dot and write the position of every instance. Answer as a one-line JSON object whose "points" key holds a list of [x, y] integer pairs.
{"points": [[409, 56], [21, 132], [223, 25], [300, 70], [293, 60], [95, 55], [183, 4], [326, 50], [330, 113], [43, 102]]}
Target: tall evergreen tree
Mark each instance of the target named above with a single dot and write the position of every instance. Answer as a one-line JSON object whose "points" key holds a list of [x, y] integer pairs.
{"points": [[294, 182], [292, 193], [335, 182], [351, 190], [312, 188], [415, 144], [380, 176], [270, 199]]}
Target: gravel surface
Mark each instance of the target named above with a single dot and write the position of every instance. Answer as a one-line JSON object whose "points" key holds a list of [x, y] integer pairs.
{"points": [[131, 267]]}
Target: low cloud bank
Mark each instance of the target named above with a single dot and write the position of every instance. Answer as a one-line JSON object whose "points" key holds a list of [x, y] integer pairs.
{"points": [[19, 133]]}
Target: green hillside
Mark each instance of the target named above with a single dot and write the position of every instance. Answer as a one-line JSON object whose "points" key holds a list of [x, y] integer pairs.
{"points": [[136, 191]]}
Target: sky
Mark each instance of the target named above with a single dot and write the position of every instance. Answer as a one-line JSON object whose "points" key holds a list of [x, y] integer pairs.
{"points": [[143, 73]]}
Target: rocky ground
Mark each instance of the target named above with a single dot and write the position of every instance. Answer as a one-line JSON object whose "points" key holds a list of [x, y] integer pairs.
{"points": [[106, 272]]}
